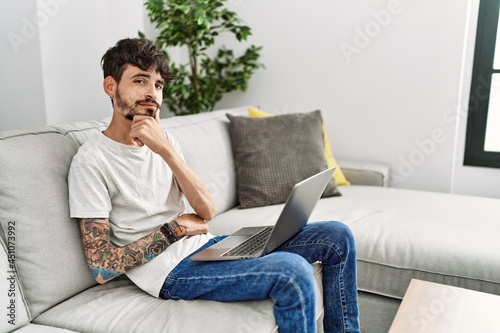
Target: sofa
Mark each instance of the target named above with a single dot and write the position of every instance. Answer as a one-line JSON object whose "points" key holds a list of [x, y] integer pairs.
{"points": [[400, 234]]}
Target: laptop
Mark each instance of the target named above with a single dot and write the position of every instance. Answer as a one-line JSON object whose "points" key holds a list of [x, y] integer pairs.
{"points": [[253, 242]]}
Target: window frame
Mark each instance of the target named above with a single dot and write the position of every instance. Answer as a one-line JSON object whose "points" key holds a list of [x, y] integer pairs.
{"points": [[484, 53]]}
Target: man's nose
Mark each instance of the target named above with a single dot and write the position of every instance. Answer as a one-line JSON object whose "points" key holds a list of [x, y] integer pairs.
{"points": [[150, 92]]}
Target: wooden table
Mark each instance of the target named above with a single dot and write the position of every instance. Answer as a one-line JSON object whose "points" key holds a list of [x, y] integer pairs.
{"points": [[435, 308]]}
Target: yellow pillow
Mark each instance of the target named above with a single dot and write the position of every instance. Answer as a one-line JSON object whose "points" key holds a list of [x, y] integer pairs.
{"points": [[338, 175]]}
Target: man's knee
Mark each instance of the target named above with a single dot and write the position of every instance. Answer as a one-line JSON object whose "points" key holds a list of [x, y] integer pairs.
{"points": [[338, 229], [339, 236], [345, 231], [295, 268]]}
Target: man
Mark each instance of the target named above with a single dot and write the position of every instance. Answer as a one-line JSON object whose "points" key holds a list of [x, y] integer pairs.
{"points": [[127, 188]]}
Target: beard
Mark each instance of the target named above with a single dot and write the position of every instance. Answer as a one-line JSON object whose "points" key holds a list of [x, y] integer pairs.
{"points": [[132, 109]]}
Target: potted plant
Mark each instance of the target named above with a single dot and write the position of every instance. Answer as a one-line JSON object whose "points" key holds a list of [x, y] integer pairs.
{"points": [[194, 24]]}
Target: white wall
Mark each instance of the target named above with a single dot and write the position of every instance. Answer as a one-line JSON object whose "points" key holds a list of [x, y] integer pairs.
{"points": [[387, 74], [21, 81], [72, 46], [52, 69]]}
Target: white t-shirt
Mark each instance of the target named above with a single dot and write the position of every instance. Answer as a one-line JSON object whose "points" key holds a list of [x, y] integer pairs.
{"points": [[135, 189]]}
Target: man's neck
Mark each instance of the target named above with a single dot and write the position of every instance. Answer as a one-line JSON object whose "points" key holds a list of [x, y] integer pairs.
{"points": [[118, 130]]}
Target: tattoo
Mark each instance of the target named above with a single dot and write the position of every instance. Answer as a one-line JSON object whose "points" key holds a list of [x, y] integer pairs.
{"points": [[108, 261], [155, 248]]}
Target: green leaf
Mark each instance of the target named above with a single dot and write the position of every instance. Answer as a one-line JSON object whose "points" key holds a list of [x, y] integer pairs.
{"points": [[195, 25]]}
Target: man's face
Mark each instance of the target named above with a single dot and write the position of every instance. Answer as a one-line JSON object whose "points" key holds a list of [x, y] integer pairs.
{"points": [[139, 92]]}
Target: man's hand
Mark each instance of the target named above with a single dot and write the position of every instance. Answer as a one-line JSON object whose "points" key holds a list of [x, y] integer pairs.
{"points": [[194, 224], [148, 131]]}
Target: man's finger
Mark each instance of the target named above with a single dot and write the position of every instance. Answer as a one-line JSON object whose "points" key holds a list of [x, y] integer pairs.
{"points": [[138, 141]]}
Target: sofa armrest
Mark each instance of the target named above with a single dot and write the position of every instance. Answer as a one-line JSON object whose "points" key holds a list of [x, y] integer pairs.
{"points": [[366, 173]]}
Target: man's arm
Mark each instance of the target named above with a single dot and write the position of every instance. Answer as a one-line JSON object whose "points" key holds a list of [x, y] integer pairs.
{"points": [[191, 185], [107, 261], [149, 131]]}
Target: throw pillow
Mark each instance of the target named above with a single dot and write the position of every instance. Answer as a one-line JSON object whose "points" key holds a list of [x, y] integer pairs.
{"points": [[339, 176], [273, 154]]}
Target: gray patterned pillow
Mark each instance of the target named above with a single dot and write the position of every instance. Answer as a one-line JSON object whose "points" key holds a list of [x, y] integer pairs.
{"points": [[273, 154]]}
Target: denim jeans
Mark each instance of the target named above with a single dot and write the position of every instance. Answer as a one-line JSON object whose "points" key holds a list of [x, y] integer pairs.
{"points": [[285, 276]]}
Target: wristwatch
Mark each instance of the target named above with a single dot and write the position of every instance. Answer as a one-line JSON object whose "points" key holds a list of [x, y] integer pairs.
{"points": [[173, 231], [179, 230]]}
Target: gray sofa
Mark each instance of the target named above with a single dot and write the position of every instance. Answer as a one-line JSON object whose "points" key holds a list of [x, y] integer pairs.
{"points": [[400, 234]]}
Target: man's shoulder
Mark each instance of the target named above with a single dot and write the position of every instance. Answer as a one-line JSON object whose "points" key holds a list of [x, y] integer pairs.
{"points": [[90, 149]]}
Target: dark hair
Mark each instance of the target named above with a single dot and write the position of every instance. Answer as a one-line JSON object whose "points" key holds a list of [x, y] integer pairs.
{"points": [[137, 52]]}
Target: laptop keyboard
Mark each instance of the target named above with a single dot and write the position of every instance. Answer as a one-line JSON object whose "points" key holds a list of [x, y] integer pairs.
{"points": [[251, 245]]}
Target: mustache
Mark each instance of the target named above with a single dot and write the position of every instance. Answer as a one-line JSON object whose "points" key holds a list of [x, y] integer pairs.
{"points": [[150, 111], [148, 100]]}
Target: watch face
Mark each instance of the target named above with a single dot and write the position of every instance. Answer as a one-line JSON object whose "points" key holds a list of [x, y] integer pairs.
{"points": [[180, 230]]}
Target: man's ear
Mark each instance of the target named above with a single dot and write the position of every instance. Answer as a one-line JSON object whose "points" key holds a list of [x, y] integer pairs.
{"points": [[109, 86]]}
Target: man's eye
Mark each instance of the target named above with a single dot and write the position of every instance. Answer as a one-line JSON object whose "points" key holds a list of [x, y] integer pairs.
{"points": [[139, 81], [159, 86]]}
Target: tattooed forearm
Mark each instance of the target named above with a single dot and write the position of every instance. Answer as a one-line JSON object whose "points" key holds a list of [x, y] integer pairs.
{"points": [[107, 261]]}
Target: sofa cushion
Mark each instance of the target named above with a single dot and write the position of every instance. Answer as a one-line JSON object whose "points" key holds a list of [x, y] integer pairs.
{"points": [[273, 154], [403, 234], [34, 195], [119, 306], [206, 145], [80, 132], [11, 293]]}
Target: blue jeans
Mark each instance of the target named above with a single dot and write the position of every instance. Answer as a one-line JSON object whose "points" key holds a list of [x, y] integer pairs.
{"points": [[284, 275]]}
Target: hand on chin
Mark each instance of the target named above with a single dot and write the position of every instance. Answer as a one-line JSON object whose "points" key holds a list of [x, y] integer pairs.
{"points": [[147, 130]]}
